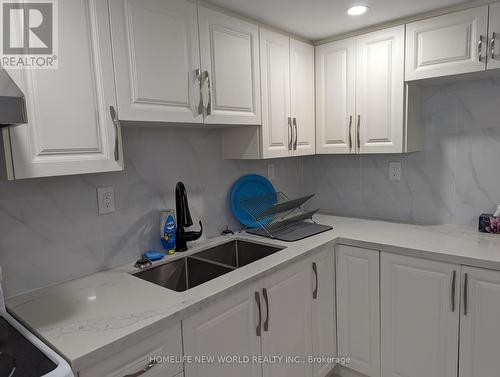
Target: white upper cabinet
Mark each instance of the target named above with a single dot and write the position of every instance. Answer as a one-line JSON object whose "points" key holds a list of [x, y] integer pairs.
{"points": [[302, 97], [380, 93], [479, 330], [452, 44], [156, 55], [358, 308], [275, 77], [336, 97], [70, 129], [230, 64], [360, 96], [419, 317], [288, 119], [494, 37]]}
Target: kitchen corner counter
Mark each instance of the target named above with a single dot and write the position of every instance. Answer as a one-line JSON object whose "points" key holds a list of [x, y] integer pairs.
{"points": [[91, 318]]}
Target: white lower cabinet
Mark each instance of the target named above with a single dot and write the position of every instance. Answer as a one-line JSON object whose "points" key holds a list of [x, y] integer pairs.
{"points": [[138, 357], [324, 329], [419, 317], [358, 310], [479, 327], [271, 318], [228, 327], [287, 321]]}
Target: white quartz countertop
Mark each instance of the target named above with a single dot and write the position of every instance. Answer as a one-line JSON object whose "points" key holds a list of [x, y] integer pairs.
{"points": [[87, 319]]}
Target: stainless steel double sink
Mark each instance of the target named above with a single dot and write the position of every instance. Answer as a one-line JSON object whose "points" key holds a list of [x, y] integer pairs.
{"points": [[195, 269]]}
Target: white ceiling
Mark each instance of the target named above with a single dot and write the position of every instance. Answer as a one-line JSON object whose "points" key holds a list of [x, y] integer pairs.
{"points": [[316, 19]]}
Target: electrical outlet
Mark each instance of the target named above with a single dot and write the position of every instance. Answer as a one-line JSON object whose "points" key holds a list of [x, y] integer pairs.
{"points": [[395, 171], [271, 173], [106, 200]]}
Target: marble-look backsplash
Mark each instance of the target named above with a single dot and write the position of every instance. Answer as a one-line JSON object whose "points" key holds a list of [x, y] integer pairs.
{"points": [[51, 231], [454, 179]]}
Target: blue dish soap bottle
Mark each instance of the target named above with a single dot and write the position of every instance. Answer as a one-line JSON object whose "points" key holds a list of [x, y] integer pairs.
{"points": [[168, 230]]}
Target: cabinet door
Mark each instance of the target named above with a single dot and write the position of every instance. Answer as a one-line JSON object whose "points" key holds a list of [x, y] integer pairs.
{"points": [[324, 334], [275, 78], [479, 330], [336, 97], [380, 91], [447, 45], [156, 51], [494, 37], [288, 321], [70, 130], [226, 327], [302, 97], [230, 54], [358, 308], [420, 314]]}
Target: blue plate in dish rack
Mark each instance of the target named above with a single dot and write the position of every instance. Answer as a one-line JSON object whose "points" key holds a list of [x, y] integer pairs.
{"points": [[249, 187]]}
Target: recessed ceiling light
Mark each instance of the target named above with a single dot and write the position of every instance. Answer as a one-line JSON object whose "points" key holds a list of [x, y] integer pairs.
{"points": [[357, 10]]}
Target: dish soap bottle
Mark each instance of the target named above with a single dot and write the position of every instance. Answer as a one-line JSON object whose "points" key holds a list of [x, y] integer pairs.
{"points": [[168, 230]]}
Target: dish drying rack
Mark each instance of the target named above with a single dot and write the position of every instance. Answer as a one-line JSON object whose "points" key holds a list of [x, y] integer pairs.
{"points": [[279, 217]]}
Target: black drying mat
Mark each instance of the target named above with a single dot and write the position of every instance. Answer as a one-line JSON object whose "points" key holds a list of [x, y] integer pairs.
{"points": [[294, 232]]}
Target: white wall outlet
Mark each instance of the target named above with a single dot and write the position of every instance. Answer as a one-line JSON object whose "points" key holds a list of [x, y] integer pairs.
{"points": [[395, 171], [271, 172], [106, 200]]}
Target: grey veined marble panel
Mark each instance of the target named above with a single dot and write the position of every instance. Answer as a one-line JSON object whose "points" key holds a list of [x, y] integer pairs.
{"points": [[452, 181]]}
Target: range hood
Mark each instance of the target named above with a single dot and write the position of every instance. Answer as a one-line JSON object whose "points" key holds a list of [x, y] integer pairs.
{"points": [[12, 102]]}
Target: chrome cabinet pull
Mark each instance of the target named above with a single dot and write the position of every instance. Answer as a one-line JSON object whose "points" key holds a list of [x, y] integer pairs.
{"points": [[116, 123], [453, 289], [198, 77], [295, 128], [315, 270], [480, 48], [466, 283], [259, 324], [151, 364], [350, 134], [358, 128], [208, 109], [290, 133], [493, 45], [266, 299]]}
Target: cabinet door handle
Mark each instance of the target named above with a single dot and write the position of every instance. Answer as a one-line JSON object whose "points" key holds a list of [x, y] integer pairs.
{"points": [[295, 131], [116, 123], [480, 48], [350, 133], [290, 133], [358, 128], [453, 289], [259, 324], [151, 365], [466, 294], [493, 45], [207, 110], [266, 299], [315, 270], [198, 77]]}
